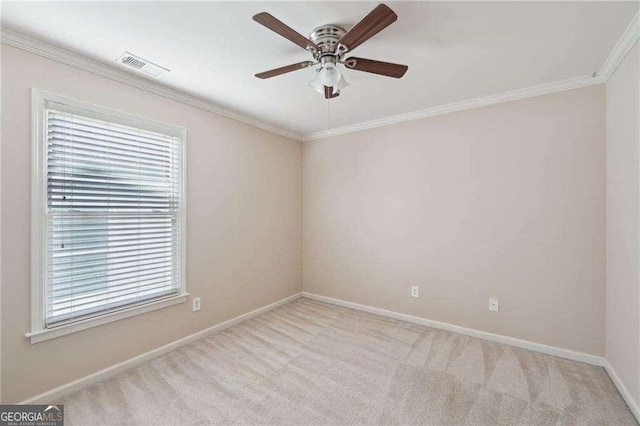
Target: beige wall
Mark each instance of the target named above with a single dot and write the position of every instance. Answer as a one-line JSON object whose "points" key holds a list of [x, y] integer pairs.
{"points": [[505, 201], [244, 226], [623, 222]]}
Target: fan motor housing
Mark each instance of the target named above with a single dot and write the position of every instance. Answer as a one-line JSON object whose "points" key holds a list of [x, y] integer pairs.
{"points": [[326, 37]]}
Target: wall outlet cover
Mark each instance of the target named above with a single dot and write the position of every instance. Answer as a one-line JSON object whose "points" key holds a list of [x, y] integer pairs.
{"points": [[494, 305], [415, 291], [197, 304]]}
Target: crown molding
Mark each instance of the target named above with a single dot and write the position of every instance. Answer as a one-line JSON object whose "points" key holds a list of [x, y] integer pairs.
{"points": [[65, 56], [622, 47], [514, 95]]}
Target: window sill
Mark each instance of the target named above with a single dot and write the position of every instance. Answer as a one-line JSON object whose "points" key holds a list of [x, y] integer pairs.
{"points": [[43, 334]]}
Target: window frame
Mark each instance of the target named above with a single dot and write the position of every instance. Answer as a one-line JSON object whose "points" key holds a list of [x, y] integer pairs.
{"points": [[39, 332]]}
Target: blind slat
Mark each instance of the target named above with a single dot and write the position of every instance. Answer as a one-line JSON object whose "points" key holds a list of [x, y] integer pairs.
{"points": [[73, 314], [65, 182], [123, 294], [81, 159], [108, 173], [89, 291], [62, 236], [76, 153], [62, 132], [66, 269], [105, 250], [114, 278], [99, 266], [105, 127]]}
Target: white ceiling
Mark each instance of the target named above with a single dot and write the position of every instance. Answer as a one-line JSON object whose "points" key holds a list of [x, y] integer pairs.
{"points": [[455, 50]]}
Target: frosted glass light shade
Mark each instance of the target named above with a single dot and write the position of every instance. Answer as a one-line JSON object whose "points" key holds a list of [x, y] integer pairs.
{"points": [[329, 74], [315, 82], [342, 84]]}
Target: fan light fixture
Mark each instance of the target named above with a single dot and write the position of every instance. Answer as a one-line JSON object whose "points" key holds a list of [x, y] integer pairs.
{"points": [[316, 82], [328, 44]]}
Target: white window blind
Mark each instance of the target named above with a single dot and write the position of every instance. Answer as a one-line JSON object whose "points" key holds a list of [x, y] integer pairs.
{"points": [[112, 215]]}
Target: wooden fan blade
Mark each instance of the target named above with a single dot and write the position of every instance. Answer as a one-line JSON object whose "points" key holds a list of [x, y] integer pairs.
{"points": [[377, 20], [285, 31], [328, 93], [284, 70], [376, 67]]}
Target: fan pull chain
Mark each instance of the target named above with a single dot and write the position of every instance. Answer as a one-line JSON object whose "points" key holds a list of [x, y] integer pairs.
{"points": [[329, 115]]}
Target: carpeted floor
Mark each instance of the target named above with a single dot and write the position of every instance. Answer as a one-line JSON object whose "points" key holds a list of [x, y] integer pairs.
{"points": [[312, 363]]}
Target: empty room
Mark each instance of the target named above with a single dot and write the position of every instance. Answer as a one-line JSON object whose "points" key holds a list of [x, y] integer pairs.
{"points": [[319, 212]]}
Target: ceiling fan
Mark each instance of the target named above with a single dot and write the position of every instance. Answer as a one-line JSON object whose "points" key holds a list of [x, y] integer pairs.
{"points": [[329, 44]]}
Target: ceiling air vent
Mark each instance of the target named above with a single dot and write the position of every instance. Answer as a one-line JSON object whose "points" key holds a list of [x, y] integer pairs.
{"points": [[142, 65]]}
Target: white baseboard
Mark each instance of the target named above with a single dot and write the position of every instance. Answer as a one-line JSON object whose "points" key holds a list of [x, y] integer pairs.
{"points": [[633, 405], [512, 341], [60, 391]]}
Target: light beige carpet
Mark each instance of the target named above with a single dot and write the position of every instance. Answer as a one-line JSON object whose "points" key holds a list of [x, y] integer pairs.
{"points": [[313, 363]]}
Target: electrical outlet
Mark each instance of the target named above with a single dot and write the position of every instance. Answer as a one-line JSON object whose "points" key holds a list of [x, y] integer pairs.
{"points": [[415, 291], [197, 304], [494, 305]]}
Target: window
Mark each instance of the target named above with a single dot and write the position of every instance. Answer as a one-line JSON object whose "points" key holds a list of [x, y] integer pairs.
{"points": [[108, 215]]}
